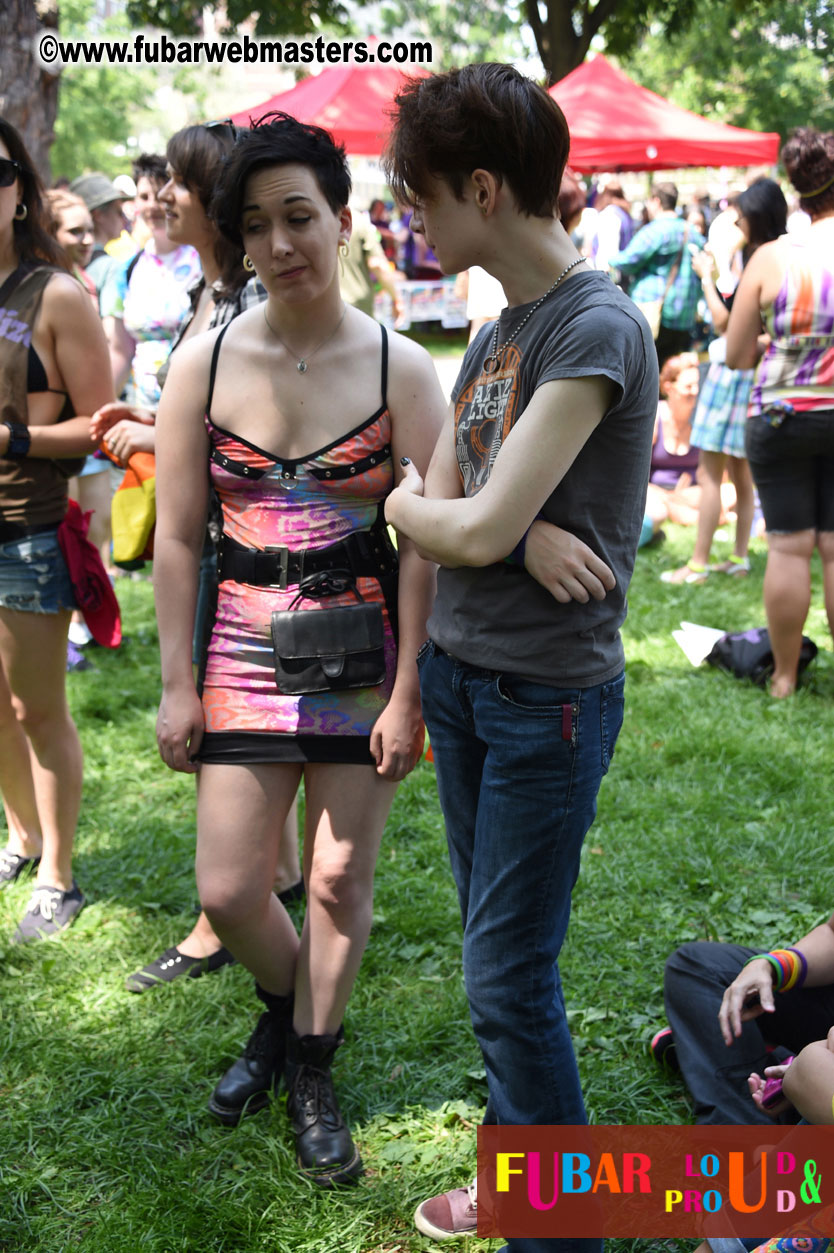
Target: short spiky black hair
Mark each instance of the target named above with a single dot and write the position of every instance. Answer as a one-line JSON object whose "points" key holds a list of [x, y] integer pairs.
{"points": [[279, 139]]}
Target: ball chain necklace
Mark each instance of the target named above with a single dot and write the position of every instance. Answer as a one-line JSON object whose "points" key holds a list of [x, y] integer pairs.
{"points": [[301, 362], [492, 362]]}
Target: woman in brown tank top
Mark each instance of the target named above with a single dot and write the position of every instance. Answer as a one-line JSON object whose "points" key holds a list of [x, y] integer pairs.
{"points": [[53, 364]]}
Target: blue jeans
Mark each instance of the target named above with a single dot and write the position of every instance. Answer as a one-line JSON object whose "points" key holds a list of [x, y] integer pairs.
{"points": [[519, 766]]}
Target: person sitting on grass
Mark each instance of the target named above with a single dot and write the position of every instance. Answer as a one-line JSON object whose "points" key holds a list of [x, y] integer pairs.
{"points": [[706, 981], [807, 1089], [672, 494]]}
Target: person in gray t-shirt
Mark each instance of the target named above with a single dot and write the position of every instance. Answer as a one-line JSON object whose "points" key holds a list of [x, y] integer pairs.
{"points": [[522, 677]]}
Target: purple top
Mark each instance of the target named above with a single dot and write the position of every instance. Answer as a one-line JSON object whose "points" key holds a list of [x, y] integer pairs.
{"points": [[667, 467]]}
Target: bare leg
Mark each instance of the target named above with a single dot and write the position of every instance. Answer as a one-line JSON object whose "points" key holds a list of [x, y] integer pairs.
{"points": [[33, 650], [825, 544], [288, 870], [202, 940], [92, 491], [710, 474], [238, 810], [787, 598], [16, 786], [346, 811], [742, 479]]}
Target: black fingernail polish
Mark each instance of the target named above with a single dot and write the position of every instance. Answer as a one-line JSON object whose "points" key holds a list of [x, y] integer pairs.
{"points": [[405, 461]]}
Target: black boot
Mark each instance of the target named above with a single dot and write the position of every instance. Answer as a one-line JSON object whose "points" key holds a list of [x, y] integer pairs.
{"points": [[248, 1083], [326, 1153]]}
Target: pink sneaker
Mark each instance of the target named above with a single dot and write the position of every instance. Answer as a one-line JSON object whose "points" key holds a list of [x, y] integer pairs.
{"points": [[449, 1216]]}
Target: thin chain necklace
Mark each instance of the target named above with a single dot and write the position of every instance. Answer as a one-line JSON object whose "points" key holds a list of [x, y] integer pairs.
{"points": [[301, 362], [493, 360]]}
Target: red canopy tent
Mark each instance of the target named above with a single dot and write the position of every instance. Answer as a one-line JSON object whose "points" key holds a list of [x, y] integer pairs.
{"points": [[617, 125], [350, 101]]}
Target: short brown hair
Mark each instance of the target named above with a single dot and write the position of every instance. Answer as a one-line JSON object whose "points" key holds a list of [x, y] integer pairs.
{"points": [[667, 194], [196, 155], [485, 116]]}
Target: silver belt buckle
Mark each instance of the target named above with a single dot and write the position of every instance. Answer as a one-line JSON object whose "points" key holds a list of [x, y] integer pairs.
{"points": [[284, 565]]}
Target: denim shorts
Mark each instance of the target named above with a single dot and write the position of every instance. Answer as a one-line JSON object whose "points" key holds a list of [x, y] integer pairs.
{"points": [[34, 576]]}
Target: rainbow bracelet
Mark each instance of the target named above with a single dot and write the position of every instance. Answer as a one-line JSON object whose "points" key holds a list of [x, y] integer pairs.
{"points": [[790, 967]]}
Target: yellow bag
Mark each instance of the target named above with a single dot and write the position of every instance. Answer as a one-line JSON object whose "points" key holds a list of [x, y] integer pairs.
{"points": [[133, 510]]}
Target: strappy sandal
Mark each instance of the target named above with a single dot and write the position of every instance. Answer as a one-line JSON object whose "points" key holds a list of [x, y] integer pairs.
{"points": [[692, 572], [733, 566], [171, 964]]}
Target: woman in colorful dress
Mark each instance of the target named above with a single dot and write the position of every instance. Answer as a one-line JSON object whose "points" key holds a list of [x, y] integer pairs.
{"points": [[53, 365], [789, 285], [195, 157], [278, 405]]}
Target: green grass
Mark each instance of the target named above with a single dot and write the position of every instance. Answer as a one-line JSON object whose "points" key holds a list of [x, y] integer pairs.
{"points": [[713, 822]]}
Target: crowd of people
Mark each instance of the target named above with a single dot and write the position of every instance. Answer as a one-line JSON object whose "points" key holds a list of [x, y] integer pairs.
{"points": [[299, 645]]}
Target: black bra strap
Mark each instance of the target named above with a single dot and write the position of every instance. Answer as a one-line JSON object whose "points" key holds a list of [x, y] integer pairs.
{"points": [[215, 354], [384, 367]]}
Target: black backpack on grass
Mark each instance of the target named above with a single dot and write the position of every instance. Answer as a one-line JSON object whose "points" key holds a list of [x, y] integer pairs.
{"points": [[748, 655]]}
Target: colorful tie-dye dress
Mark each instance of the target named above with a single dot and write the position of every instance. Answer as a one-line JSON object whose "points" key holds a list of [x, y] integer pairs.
{"points": [[310, 503], [797, 368]]}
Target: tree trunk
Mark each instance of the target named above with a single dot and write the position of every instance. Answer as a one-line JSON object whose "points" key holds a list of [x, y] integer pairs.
{"points": [[563, 32], [28, 94]]}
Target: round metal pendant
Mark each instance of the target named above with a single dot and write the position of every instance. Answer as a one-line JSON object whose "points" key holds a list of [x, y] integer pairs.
{"points": [[490, 364], [302, 366]]}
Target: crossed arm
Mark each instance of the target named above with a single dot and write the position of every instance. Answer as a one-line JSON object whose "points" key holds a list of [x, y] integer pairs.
{"points": [[479, 530]]}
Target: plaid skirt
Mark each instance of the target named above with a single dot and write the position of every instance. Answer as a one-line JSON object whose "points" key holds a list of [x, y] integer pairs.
{"points": [[721, 412]]}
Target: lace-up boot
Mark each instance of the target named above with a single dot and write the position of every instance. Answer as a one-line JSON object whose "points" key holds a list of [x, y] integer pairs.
{"points": [[325, 1151], [250, 1081]]}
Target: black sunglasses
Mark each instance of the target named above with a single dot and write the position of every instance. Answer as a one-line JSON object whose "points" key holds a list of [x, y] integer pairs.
{"points": [[9, 171]]}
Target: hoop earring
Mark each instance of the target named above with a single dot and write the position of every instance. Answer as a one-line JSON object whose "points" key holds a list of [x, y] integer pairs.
{"points": [[343, 252], [21, 213], [344, 249], [248, 264]]}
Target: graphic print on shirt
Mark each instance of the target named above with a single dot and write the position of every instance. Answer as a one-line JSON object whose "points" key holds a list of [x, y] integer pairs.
{"points": [[484, 415]]}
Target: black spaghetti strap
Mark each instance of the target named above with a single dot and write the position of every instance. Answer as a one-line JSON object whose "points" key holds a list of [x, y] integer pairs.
{"points": [[213, 371], [384, 366]]}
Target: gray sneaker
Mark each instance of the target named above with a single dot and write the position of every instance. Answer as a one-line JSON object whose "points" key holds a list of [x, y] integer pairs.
{"points": [[49, 910], [13, 865]]}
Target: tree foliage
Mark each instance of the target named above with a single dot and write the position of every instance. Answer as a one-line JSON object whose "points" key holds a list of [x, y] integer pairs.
{"points": [[762, 65], [466, 31], [289, 17], [564, 29], [99, 105]]}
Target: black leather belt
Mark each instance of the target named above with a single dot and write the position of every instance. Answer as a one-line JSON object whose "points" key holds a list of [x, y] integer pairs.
{"points": [[10, 531], [366, 554]]}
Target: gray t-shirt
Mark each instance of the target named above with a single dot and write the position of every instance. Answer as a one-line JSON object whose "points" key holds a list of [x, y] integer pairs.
{"points": [[498, 617]]}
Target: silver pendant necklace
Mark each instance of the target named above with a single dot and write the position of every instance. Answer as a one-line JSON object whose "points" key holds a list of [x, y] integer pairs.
{"points": [[301, 362], [492, 362]]}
